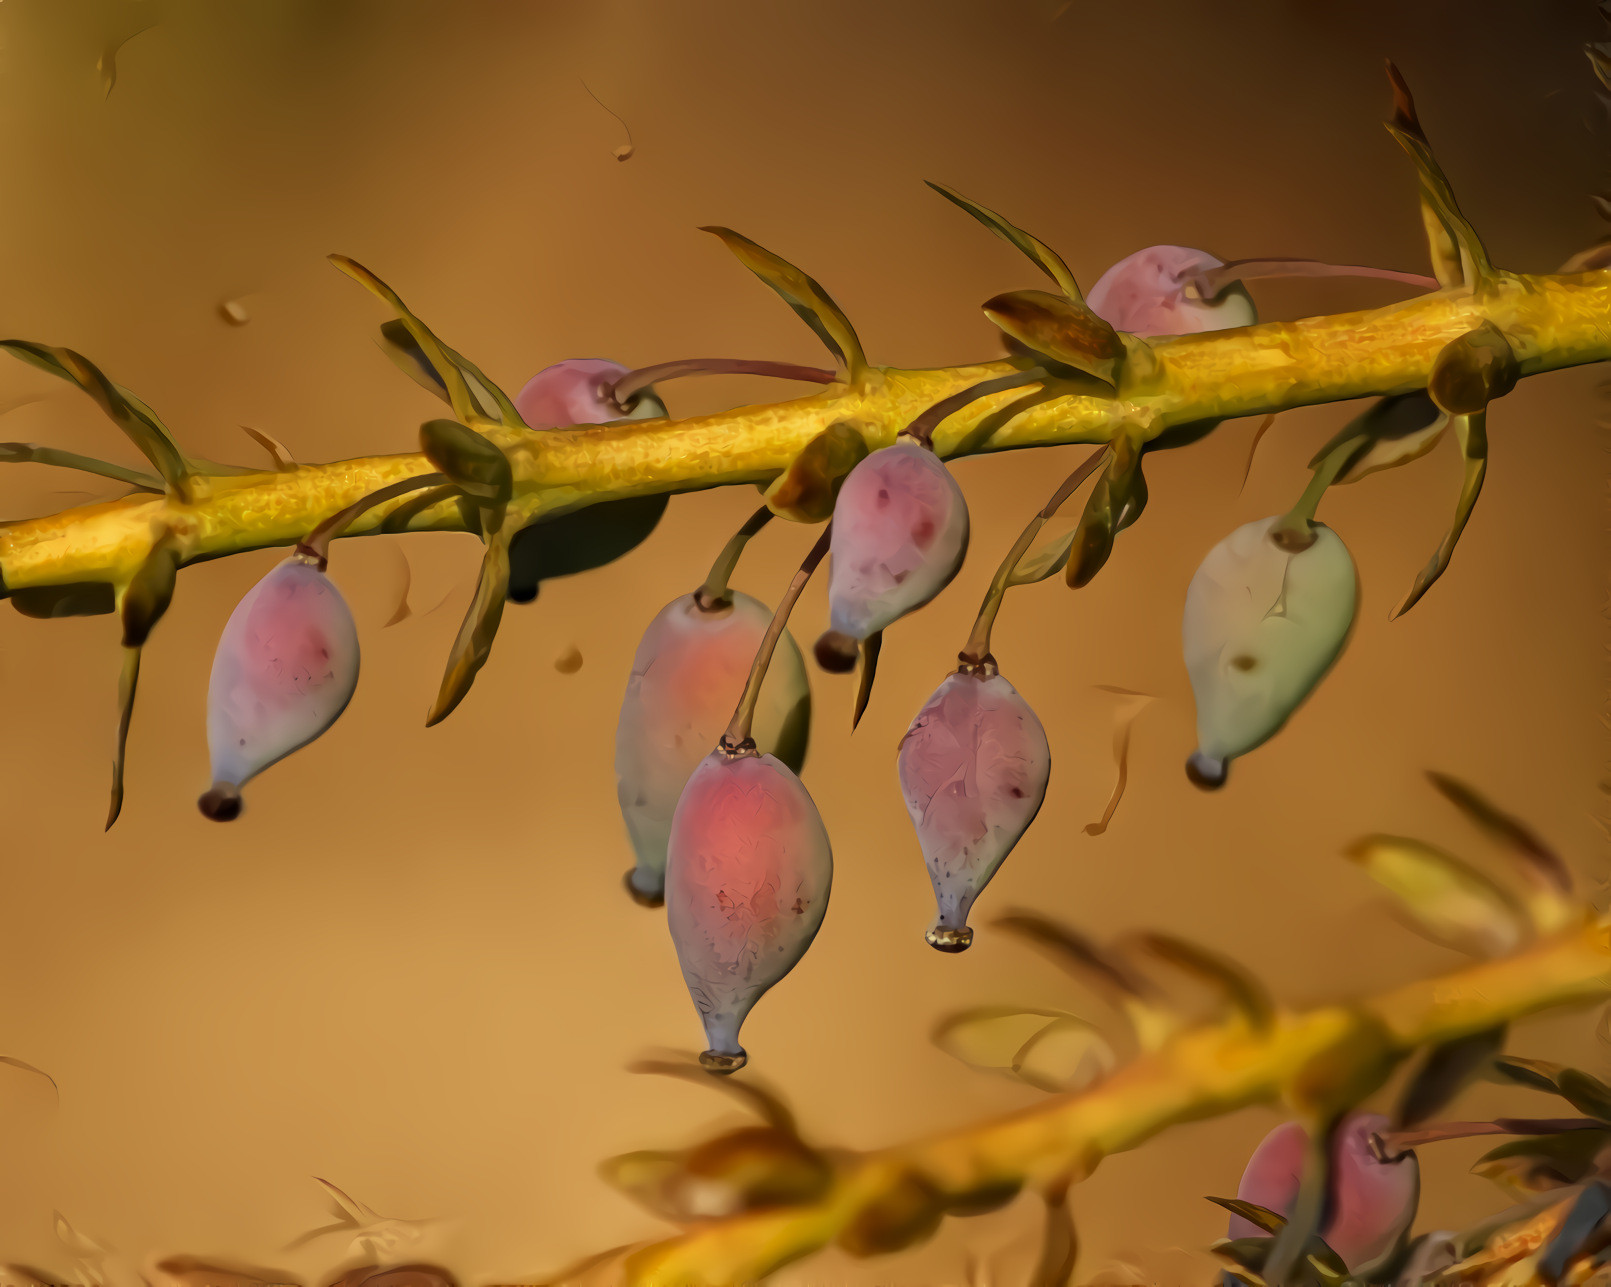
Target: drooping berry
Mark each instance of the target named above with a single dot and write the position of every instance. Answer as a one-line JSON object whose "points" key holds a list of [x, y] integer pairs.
{"points": [[748, 871], [578, 391], [1371, 1201], [900, 530], [285, 669], [689, 669], [973, 769], [1262, 626]]}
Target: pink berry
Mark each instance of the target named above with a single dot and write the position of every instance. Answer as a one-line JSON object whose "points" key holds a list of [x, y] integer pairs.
{"points": [[689, 670], [1371, 1202], [285, 669], [1146, 294], [973, 769], [577, 392], [900, 530], [748, 870]]}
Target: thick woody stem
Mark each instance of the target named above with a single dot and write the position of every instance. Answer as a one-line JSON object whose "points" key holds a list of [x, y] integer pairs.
{"points": [[1551, 322]]}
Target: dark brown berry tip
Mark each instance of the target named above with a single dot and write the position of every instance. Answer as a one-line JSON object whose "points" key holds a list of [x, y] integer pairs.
{"points": [[950, 938], [716, 1061], [836, 652], [222, 803], [641, 897], [1207, 772]]}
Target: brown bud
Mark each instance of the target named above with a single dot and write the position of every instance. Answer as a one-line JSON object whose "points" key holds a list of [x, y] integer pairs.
{"points": [[836, 652], [907, 1213]]}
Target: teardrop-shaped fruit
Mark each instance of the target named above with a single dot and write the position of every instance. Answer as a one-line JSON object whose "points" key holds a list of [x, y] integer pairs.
{"points": [[1146, 294], [1372, 1201], [577, 392], [285, 669], [687, 674], [973, 769], [900, 530], [748, 869], [1262, 626]]}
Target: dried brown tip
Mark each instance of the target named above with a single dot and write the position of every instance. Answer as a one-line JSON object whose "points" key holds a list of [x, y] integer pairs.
{"points": [[1403, 102], [715, 1061], [836, 652], [222, 803], [640, 897], [947, 938]]}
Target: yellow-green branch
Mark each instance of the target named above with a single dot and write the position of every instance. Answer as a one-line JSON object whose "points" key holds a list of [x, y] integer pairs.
{"points": [[1203, 1071], [1551, 322]]}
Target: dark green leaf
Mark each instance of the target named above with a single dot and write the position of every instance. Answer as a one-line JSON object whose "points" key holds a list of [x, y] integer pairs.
{"points": [[473, 645], [807, 489], [1261, 1217], [1061, 330], [1589, 1095], [1472, 433], [1543, 1162], [1539, 1074], [78, 599]]}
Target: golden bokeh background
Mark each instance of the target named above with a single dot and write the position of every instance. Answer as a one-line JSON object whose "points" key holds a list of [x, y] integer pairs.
{"points": [[410, 967]]}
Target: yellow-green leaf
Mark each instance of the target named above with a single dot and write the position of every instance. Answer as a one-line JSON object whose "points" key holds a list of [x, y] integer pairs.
{"points": [[1472, 434], [804, 296], [473, 645], [1452, 901], [1051, 1050], [1039, 253], [475, 465]]}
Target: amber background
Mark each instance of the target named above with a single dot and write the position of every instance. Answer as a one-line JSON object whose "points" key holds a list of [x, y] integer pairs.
{"points": [[410, 967]]}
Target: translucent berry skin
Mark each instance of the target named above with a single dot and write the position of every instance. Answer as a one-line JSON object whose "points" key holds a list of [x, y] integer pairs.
{"points": [[1261, 628], [1372, 1202], [973, 769], [1145, 294], [285, 669], [687, 675], [900, 530], [577, 392], [748, 871]]}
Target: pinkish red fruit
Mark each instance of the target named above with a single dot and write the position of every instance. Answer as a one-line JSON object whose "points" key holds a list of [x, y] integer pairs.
{"points": [[1146, 294], [285, 669], [689, 670], [900, 530], [748, 870], [973, 769], [577, 392], [1371, 1202]]}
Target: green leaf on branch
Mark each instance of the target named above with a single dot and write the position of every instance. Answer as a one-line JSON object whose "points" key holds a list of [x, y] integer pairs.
{"points": [[805, 297], [1038, 252], [1060, 330], [805, 492], [1453, 902]]}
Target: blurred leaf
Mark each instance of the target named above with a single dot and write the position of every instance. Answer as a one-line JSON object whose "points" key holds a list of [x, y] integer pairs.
{"points": [[1453, 902], [1538, 1074], [1060, 1243], [1572, 1234], [579, 541], [1542, 1162], [1051, 1050], [1038, 252], [804, 296], [1239, 989], [1060, 329], [805, 492], [189, 1271], [1549, 878], [1589, 1095], [743, 1170], [1124, 717], [1444, 1073], [1261, 1217], [760, 1098]]}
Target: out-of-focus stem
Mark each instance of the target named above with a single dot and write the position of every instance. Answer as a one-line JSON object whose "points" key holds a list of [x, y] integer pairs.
{"points": [[1204, 1070], [738, 730]]}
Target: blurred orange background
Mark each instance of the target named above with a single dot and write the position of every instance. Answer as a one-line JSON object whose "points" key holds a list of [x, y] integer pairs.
{"points": [[410, 967]]}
